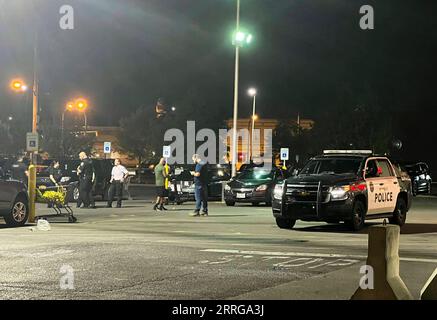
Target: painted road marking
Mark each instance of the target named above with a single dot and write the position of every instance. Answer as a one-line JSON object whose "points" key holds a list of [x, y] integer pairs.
{"points": [[286, 262], [306, 254]]}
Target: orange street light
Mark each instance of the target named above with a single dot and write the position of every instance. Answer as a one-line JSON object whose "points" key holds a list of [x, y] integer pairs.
{"points": [[18, 85], [81, 104], [69, 106]]}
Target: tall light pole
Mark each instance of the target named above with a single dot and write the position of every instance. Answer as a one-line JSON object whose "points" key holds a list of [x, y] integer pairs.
{"points": [[252, 92], [82, 105], [35, 91], [69, 107], [240, 39], [234, 123]]}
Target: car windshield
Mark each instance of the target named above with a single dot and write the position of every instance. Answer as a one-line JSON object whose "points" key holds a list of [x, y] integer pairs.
{"points": [[254, 174], [332, 166]]}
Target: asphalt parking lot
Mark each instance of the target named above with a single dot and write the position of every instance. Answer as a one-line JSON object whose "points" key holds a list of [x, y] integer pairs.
{"points": [[235, 253]]}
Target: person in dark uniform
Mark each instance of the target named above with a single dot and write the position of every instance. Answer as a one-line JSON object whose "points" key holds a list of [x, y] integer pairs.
{"points": [[55, 173], [86, 180], [55, 176]]}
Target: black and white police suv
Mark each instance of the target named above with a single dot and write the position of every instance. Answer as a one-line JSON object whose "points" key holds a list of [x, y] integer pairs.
{"points": [[343, 185]]}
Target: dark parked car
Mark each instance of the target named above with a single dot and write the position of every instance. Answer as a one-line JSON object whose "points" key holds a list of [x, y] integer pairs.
{"points": [[420, 177], [70, 179], [182, 185], [217, 176], [14, 203], [254, 185]]}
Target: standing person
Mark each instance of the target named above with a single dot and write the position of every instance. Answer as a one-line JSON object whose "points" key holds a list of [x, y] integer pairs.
{"points": [[160, 176], [200, 174], [55, 176], [86, 180], [118, 175], [55, 173]]}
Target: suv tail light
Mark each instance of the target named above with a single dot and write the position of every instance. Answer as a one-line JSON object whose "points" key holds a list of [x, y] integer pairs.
{"points": [[359, 186]]}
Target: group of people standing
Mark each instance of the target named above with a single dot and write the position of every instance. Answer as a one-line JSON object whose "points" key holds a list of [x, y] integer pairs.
{"points": [[200, 175], [87, 180]]}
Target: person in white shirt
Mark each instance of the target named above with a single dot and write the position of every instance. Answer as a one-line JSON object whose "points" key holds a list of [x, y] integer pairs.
{"points": [[118, 175]]}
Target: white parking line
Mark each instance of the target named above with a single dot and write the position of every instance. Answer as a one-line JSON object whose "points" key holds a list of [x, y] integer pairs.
{"points": [[307, 254]]}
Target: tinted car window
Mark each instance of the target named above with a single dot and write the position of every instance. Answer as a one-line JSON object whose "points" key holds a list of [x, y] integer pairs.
{"points": [[334, 166]]}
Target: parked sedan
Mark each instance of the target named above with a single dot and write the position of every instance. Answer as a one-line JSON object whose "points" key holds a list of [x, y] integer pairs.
{"points": [[14, 202], [254, 186], [420, 177]]}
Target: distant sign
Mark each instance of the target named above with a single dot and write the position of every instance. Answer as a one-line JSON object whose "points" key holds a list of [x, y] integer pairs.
{"points": [[32, 142], [284, 154], [166, 151], [107, 147]]}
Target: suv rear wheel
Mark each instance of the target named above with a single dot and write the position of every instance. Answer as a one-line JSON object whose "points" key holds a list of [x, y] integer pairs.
{"points": [[285, 223], [358, 216], [400, 213], [19, 213]]}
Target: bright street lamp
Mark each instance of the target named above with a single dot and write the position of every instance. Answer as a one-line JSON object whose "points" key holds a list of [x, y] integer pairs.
{"points": [[242, 38], [18, 85]]}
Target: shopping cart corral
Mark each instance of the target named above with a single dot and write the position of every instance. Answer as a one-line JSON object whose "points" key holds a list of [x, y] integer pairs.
{"points": [[56, 198]]}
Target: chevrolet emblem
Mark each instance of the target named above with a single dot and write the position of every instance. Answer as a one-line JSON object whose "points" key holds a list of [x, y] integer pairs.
{"points": [[304, 193]]}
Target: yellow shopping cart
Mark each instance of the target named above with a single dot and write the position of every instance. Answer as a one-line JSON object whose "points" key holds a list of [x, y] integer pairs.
{"points": [[56, 198]]}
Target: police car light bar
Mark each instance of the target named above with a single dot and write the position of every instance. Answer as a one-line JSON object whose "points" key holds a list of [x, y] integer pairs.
{"points": [[369, 152]]}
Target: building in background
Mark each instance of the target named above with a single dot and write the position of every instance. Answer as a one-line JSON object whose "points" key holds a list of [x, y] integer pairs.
{"points": [[245, 145]]}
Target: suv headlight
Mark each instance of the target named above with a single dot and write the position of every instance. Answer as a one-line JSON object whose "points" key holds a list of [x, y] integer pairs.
{"points": [[339, 193], [278, 191], [227, 187], [262, 187]]}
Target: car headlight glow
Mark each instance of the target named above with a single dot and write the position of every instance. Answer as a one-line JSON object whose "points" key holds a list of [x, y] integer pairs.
{"points": [[278, 191], [65, 179], [339, 193], [262, 187]]}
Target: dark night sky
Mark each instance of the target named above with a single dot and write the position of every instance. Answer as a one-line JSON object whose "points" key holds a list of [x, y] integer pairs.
{"points": [[307, 56]]}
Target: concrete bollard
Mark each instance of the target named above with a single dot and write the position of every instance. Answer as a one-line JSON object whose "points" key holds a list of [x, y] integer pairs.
{"points": [[383, 257], [429, 290]]}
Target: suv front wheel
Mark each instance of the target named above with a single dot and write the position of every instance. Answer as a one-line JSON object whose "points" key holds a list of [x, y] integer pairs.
{"points": [[19, 213], [285, 223], [358, 216]]}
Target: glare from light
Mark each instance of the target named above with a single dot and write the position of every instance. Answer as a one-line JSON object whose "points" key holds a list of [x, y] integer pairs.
{"points": [[252, 92]]}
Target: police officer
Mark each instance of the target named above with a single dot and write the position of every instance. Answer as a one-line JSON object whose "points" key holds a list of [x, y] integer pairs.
{"points": [[86, 180]]}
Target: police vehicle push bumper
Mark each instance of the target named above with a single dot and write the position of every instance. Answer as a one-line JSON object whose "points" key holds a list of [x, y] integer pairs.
{"points": [[312, 202]]}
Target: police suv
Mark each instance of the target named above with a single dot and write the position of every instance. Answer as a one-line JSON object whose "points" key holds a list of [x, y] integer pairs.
{"points": [[343, 185]]}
